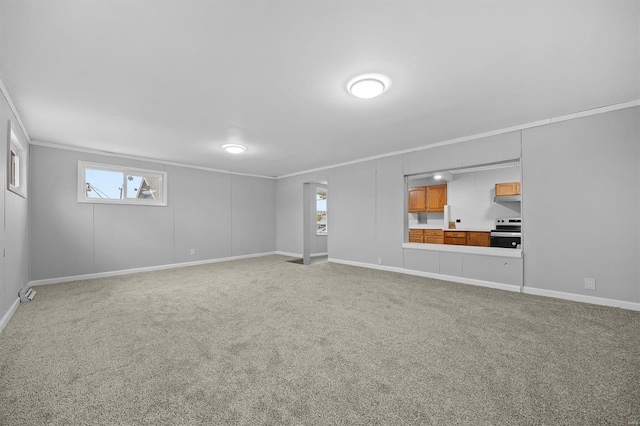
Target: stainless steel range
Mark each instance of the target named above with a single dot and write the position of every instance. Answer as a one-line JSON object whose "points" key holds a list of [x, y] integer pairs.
{"points": [[508, 233]]}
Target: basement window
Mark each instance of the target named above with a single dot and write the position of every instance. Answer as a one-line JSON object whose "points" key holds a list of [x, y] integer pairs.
{"points": [[17, 164], [103, 183]]}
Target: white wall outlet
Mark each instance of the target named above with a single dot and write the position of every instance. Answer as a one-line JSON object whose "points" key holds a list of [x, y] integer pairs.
{"points": [[379, 261], [193, 251], [590, 283]]}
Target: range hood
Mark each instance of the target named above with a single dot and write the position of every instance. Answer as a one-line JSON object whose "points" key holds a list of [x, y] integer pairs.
{"points": [[506, 198]]}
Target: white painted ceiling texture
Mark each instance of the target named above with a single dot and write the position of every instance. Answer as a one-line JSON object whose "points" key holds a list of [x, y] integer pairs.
{"points": [[175, 80]]}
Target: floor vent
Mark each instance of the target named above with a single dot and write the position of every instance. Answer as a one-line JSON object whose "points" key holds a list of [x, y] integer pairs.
{"points": [[26, 294]]}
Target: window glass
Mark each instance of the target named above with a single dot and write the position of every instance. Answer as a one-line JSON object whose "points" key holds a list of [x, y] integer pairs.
{"points": [[103, 183], [16, 164], [321, 211]]}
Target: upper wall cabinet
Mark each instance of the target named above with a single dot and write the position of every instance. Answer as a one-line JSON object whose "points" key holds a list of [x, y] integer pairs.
{"points": [[428, 199], [507, 188], [436, 198], [417, 200]]}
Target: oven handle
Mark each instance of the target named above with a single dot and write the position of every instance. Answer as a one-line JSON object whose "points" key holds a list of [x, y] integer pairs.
{"points": [[506, 234]]}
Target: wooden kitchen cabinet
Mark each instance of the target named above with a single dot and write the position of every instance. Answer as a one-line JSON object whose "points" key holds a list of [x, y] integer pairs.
{"points": [[416, 235], [480, 239], [458, 238], [507, 188], [436, 198], [418, 200], [434, 236], [427, 199]]}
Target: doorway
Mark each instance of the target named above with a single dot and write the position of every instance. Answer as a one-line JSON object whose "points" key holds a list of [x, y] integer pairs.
{"points": [[315, 223]]}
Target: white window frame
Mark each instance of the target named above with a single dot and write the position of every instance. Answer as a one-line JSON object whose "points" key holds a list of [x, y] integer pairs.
{"points": [[126, 171], [16, 149]]}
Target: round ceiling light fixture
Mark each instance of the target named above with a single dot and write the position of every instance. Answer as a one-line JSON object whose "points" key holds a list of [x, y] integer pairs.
{"points": [[234, 148], [368, 86]]}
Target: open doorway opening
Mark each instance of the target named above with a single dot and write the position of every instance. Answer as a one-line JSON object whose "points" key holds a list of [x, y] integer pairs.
{"points": [[316, 223]]}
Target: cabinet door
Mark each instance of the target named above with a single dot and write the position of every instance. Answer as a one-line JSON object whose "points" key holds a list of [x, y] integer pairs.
{"points": [[507, 188], [434, 236], [458, 238], [416, 236], [436, 198], [417, 200], [479, 239], [458, 241]]}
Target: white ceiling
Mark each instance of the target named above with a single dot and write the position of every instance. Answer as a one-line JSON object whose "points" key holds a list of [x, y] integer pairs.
{"points": [[174, 80]]}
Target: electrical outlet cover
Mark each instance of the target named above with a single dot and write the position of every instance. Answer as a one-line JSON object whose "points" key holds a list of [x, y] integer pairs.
{"points": [[590, 283]]}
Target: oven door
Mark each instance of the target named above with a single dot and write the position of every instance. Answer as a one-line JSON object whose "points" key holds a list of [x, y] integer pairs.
{"points": [[506, 239]]}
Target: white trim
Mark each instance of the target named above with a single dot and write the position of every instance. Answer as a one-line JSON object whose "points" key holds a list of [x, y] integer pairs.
{"points": [[484, 251], [582, 298], [508, 287], [5, 92], [148, 160], [145, 269], [594, 111], [367, 265], [20, 148], [285, 253], [461, 280], [6, 317]]}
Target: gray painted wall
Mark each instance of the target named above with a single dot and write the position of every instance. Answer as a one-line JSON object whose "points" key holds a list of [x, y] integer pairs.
{"points": [[353, 212], [584, 173], [14, 231], [217, 214], [289, 210]]}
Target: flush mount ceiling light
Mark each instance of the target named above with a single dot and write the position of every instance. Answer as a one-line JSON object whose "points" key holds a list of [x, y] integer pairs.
{"points": [[368, 86], [234, 149], [437, 177]]}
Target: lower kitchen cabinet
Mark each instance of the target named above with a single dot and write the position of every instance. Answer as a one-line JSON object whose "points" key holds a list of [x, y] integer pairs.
{"points": [[416, 236], [458, 238], [480, 239], [434, 236]]}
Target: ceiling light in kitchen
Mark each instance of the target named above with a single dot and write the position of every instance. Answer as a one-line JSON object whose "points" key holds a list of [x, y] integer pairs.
{"points": [[368, 86], [234, 149], [437, 177]]}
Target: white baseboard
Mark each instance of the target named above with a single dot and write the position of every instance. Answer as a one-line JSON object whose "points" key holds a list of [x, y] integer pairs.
{"points": [[6, 317], [285, 253], [145, 269], [509, 287], [582, 298], [367, 265], [461, 280]]}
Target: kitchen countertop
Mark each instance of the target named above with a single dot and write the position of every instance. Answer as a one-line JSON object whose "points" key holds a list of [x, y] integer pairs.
{"points": [[450, 230], [485, 251]]}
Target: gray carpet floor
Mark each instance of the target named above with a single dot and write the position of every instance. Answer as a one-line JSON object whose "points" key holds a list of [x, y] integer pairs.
{"points": [[264, 341]]}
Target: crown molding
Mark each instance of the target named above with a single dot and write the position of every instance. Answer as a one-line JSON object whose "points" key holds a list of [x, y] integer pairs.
{"points": [[148, 160], [594, 111], [6, 95]]}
